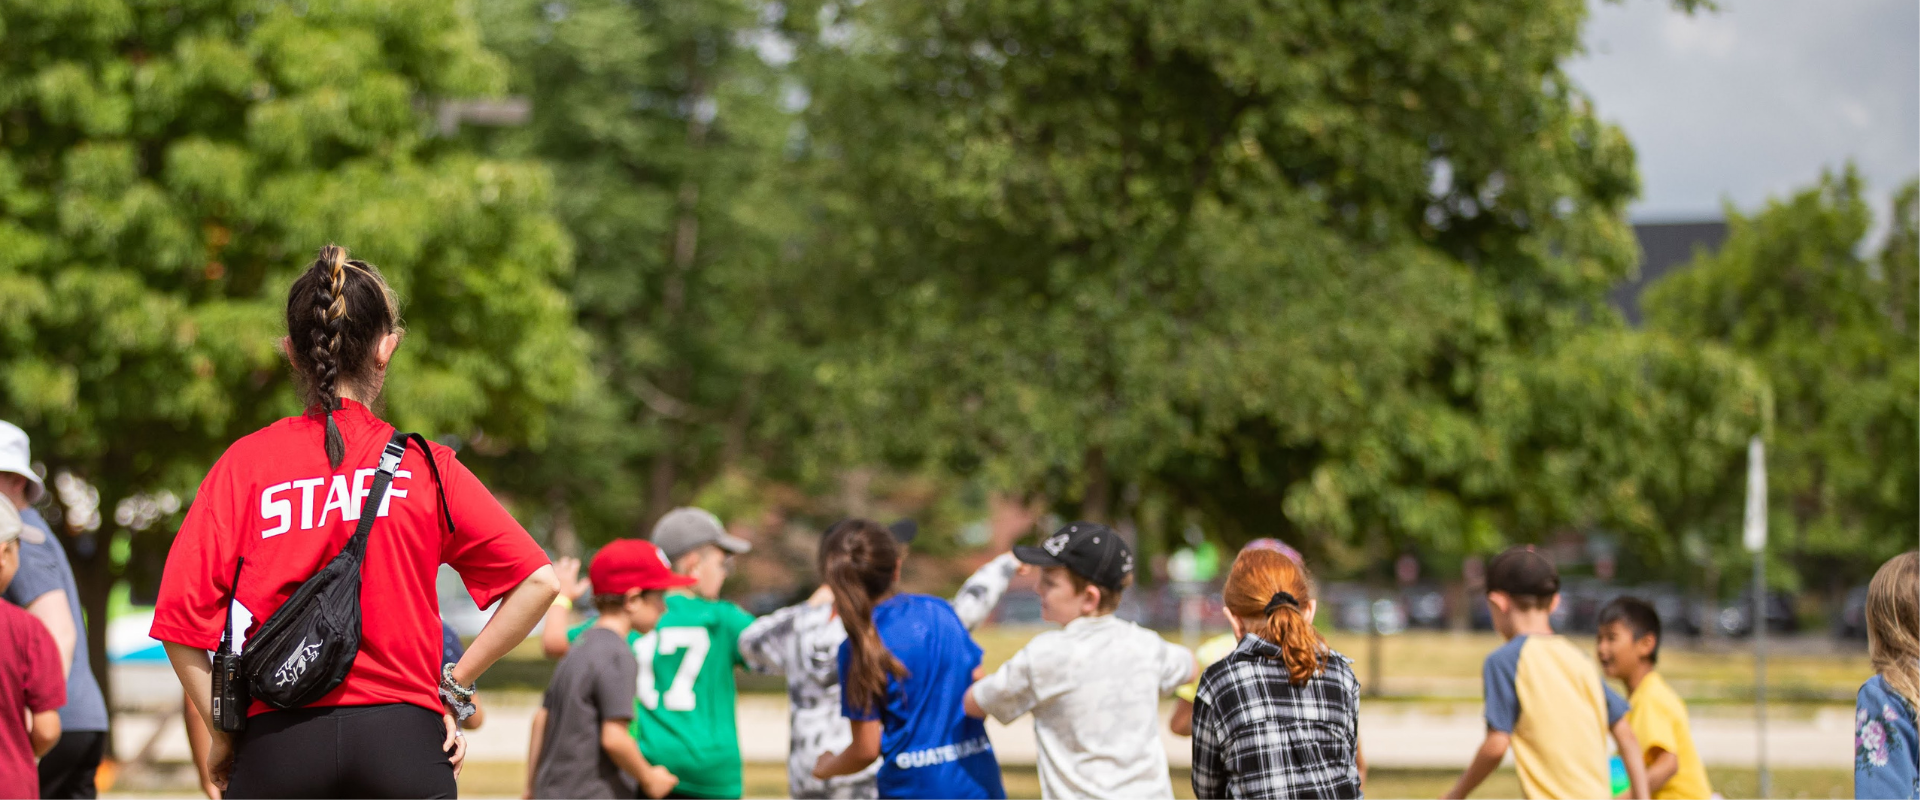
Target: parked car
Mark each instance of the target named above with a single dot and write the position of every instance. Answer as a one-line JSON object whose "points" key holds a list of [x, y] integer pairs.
{"points": [[1680, 614], [1851, 622], [1426, 607], [1581, 602], [1355, 609], [1736, 618]]}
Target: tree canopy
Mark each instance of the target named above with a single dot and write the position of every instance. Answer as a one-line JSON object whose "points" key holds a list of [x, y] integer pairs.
{"points": [[167, 169], [1332, 271], [1328, 271], [1833, 328], [667, 133]]}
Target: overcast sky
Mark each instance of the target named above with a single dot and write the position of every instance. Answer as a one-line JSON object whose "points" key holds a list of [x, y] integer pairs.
{"points": [[1751, 101]]}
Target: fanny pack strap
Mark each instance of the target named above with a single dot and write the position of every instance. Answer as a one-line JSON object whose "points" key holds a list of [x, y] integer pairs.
{"points": [[233, 594], [377, 495], [433, 467]]}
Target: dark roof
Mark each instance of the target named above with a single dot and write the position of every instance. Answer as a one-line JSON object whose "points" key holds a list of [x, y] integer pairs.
{"points": [[1664, 247]]}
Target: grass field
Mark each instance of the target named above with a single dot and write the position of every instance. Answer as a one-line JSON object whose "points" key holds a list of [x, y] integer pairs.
{"points": [[770, 780], [1438, 665], [1446, 665]]}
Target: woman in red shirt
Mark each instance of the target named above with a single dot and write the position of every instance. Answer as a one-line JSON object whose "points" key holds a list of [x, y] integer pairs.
{"points": [[286, 499]]}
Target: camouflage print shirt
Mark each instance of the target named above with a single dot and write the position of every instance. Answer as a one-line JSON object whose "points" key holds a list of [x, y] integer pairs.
{"points": [[802, 642]]}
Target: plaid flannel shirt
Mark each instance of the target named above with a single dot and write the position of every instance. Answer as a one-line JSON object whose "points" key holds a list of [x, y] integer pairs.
{"points": [[1257, 735]]}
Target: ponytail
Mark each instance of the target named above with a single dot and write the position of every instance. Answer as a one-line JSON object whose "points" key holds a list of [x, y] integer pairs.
{"points": [[330, 305], [857, 561], [1269, 592], [337, 311]]}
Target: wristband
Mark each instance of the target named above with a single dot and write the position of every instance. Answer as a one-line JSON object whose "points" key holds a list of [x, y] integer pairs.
{"points": [[563, 601], [459, 699]]}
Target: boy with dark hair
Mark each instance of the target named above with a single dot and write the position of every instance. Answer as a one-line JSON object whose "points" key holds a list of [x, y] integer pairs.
{"points": [[1543, 697], [1628, 647], [581, 746], [1094, 686]]}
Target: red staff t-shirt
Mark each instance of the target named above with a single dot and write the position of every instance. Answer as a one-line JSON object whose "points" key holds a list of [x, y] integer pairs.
{"points": [[273, 499], [30, 682]]}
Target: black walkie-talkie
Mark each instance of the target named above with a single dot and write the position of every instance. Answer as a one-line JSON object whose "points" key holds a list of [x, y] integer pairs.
{"points": [[230, 696]]}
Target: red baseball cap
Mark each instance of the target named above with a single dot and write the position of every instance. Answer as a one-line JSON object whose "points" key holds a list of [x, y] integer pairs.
{"points": [[626, 564]]}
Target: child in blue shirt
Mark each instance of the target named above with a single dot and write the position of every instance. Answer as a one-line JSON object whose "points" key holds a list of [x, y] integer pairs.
{"points": [[904, 668], [1886, 749]]}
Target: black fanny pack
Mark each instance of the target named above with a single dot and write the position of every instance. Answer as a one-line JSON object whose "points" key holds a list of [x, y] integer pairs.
{"points": [[305, 648]]}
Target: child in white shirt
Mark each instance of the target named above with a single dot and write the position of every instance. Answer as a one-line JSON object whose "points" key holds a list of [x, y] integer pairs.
{"points": [[1094, 687]]}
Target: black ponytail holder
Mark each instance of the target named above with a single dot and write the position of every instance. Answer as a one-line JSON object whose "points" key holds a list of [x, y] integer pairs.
{"points": [[1281, 600]]}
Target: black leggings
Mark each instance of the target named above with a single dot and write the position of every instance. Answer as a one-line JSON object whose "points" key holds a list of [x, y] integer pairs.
{"points": [[67, 771], [343, 751]]}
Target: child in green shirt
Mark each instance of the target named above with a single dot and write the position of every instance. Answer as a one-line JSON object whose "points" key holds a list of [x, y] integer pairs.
{"points": [[684, 714]]}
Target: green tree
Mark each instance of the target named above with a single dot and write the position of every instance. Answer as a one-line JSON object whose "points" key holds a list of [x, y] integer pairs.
{"points": [[1330, 271], [165, 171], [1833, 329], [666, 130]]}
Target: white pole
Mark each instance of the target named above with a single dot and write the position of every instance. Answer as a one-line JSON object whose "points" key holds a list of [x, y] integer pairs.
{"points": [[1754, 536], [1760, 663]]}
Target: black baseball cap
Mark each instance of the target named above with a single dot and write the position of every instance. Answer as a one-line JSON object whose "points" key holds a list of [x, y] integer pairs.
{"points": [[1523, 571], [904, 530], [1087, 549]]}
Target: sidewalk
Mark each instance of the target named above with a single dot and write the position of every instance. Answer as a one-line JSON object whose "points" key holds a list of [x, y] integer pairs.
{"points": [[1393, 735]]}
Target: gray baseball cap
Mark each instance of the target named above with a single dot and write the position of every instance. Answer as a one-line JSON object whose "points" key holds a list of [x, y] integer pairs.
{"points": [[686, 529]]}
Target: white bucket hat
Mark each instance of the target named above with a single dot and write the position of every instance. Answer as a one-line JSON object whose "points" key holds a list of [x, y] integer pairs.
{"points": [[16, 458], [11, 527]]}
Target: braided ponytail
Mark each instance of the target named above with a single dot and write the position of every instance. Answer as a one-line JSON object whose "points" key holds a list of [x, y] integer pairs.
{"points": [[330, 305], [1269, 592], [337, 311]]}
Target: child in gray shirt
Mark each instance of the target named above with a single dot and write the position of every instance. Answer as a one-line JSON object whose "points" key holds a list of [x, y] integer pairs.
{"points": [[581, 747]]}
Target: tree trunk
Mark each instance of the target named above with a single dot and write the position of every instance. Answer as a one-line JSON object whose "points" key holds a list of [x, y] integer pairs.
{"points": [[685, 249], [734, 446], [90, 554], [1096, 503], [660, 482], [856, 494], [562, 539]]}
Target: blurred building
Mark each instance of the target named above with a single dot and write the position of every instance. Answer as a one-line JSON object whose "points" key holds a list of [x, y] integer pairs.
{"points": [[1664, 247]]}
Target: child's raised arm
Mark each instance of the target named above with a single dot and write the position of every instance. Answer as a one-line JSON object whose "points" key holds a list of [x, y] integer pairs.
{"points": [[553, 637], [1485, 761], [764, 644], [983, 589], [1630, 756]]}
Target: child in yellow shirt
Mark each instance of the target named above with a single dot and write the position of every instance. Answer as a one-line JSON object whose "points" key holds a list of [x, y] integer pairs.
{"points": [[1628, 649], [1543, 698]]}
